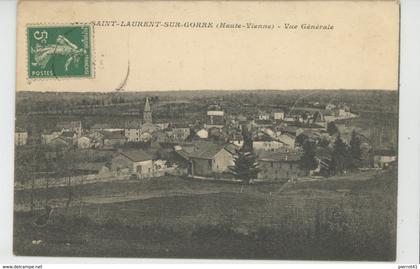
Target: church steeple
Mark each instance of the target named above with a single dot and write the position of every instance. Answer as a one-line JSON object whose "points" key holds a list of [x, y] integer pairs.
{"points": [[147, 113]]}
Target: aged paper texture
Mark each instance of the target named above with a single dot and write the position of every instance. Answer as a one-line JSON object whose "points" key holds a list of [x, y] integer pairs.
{"points": [[207, 129]]}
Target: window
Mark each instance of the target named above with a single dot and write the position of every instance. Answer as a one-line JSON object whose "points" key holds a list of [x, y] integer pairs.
{"points": [[138, 169], [272, 164]]}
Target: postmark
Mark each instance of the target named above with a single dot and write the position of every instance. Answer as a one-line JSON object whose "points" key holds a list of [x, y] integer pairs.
{"points": [[59, 51]]}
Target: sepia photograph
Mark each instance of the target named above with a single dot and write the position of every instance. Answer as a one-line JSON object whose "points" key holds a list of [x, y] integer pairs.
{"points": [[207, 174]]}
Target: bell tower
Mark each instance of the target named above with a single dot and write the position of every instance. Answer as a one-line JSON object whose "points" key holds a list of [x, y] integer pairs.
{"points": [[147, 113]]}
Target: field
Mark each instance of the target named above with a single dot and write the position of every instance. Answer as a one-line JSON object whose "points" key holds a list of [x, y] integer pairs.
{"points": [[350, 218]]}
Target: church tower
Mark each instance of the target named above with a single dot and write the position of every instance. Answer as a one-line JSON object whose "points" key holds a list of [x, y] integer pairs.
{"points": [[147, 113]]}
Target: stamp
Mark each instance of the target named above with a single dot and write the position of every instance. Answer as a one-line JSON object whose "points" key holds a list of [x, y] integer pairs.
{"points": [[59, 51]]}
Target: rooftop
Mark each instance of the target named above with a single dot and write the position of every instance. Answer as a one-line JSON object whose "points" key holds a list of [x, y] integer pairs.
{"points": [[207, 150], [112, 135], [137, 155], [285, 156]]}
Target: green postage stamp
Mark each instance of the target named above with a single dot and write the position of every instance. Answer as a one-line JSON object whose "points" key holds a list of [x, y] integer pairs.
{"points": [[59, 51]]}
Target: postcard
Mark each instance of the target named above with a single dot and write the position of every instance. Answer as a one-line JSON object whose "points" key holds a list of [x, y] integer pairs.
{"points": [[207, 129]]}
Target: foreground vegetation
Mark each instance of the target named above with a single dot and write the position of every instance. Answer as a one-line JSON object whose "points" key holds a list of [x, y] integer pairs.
{"points": [[338, 219]]}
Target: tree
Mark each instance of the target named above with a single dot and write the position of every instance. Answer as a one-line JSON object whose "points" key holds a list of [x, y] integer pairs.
{"points": [[340, 159], [332, 128], [324, 142], [246, 166], [308, 161], [355, 149]]}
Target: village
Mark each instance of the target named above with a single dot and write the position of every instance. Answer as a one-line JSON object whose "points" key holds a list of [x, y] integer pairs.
{"points": [[264, 174], [287, 146]]}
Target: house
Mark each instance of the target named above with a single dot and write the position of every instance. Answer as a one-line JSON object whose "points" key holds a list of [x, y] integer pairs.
{"points": [[132, 130], [289, 119], [215, 117], [263, 123], [330, 107], [287, 139], [48, 135], [290, 129], [162, 136], [209, 158], [84, 142], [107, 139], [69, 134], [203, 134], [383, 158], [310, 135], [280, 166], [112, 139], [268, 131], [92, 168], [133, 162], [162, 125], [132, 134], [180, 132], [263, 116], [278, 115], [61, 142], [73, 126], [267, 144], [100, 127], [217, 134], [21, 137]]}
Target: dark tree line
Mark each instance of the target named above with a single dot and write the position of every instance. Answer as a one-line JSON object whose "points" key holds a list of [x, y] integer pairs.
{"points": [[341, 157]]}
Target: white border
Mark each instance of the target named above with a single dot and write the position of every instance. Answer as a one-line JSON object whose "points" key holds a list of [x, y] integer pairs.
{"points": [[409, 150], [409, 133]]}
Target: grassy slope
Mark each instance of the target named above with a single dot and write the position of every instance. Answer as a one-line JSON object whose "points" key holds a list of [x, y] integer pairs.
{"points": [[310, 220]]}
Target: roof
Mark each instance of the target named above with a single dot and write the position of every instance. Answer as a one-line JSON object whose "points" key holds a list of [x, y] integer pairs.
{"points": [[51, 131], [288, 135], [290, 156], [311, 134], [67, 134], [231, 148], [183, 154], [289, 129], [263, 138], [19, 130], [137, 155], [133, 125], [69, 124], [207, 150], [65, 140], [147, 106], [179, 125], [264, 122], [112, 135]]}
